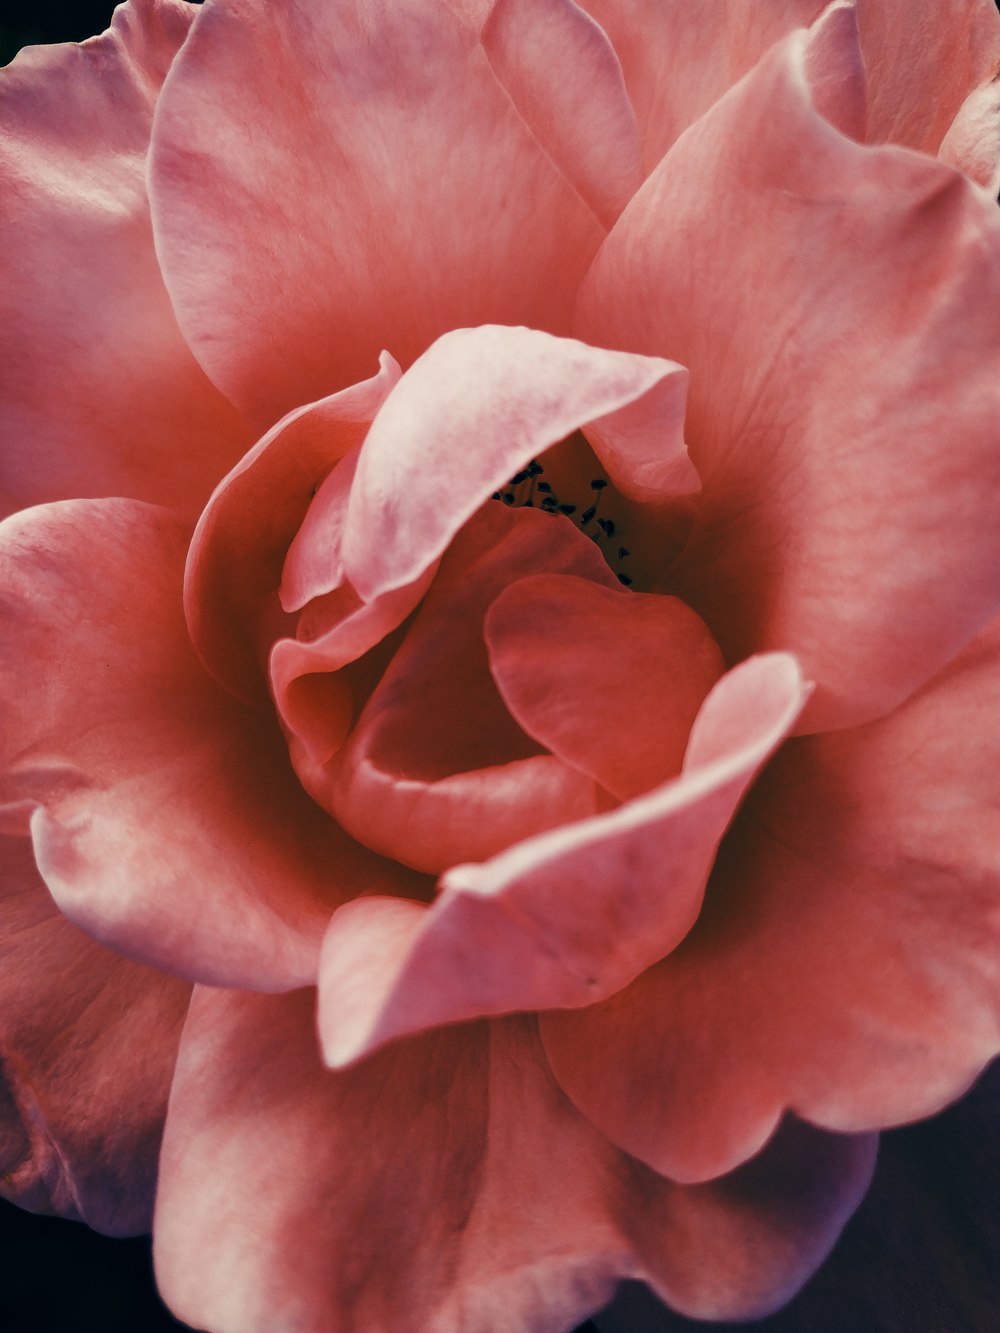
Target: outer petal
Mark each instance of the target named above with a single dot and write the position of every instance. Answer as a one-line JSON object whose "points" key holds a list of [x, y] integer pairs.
{"points": [[565, 918], [314, 200], [101, 396], [849, 494], [446, 1184], [846, 961], [166, 819], [87, 1047]]}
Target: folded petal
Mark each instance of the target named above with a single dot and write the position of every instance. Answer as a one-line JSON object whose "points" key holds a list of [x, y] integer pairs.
{"points": [[87, 1047], [166, 819], [314, 200], [474, 409], [842, 413], [101, 394], [565, 918], [447, 1184], [845, 964], [436, 771], [610, 681]]}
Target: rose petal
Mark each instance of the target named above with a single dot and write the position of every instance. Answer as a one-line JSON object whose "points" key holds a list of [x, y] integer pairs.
{"points": [[436, 771], [608, 680], [846, 961], [477, 406], [567, 917], [101, 394], [849, 495], [165, 817], [88, 1042], [334, 125], [242, 538], [447, 1184], [972, 142]]}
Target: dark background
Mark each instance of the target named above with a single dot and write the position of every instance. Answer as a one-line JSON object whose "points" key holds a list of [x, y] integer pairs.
{"points": [[922, 1255]]}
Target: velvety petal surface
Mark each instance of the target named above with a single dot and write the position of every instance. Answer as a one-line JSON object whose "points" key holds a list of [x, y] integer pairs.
{"points": [[314, 201], [101, 396], [845, 963], [565, 918], [610, 681], [447, 1184], [843, 400], [87, 1047], [166, 819]]}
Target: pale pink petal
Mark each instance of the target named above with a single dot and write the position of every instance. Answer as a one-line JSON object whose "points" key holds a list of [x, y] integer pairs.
{"points": [[101, 394], [331, 179], [845, 963], [476, 407], [843, 395], [165, 816], [972, 142], [436, 770], [87, 1047], [564, 77], [608, 680], [448, 1184], [242, 538], [566, 918]]}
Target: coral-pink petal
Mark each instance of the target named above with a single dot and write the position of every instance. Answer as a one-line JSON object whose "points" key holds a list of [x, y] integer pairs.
{"points": [[608, 680], [473, 410], [448, 1184], [845, 963], [101, 394], [293, 158], [88, 1041], [436, 771], [234, 567], [568, 917], [165, 816], [972, 141], [849, 495], [564, 77]]}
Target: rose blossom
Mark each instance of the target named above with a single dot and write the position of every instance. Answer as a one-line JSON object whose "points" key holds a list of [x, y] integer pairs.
{"points": [[500, 595]]}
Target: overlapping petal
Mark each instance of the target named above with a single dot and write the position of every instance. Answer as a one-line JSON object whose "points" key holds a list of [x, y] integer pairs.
{"points": [[101, 396], [380, 1198], [845, 961], [842, 330], [87, 1047], [565, 918], [165, 817], [313, 202]]}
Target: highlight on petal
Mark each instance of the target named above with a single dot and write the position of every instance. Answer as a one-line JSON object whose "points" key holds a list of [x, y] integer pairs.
{"points": [[306, 215], [477, 406], [280, 1189], [87, 1047], [972, 142], [101, 394], [845, 963], [568, 917], [166, 820], [234, 567], [849, 496]]}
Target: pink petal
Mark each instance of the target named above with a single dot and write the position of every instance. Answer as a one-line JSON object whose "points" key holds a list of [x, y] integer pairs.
{"points": [[102, 396], [608, 680], [511, 391], [849, 494], [314, 200], [88, 1042], [563, 75], [166, 819], [447, 1184], [565, 918], [972, 142], [436, 770], [846, 962], [241, 541]]}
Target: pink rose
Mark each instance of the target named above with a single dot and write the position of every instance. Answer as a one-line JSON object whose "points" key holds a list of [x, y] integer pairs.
{"points": [[502, 574]]}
